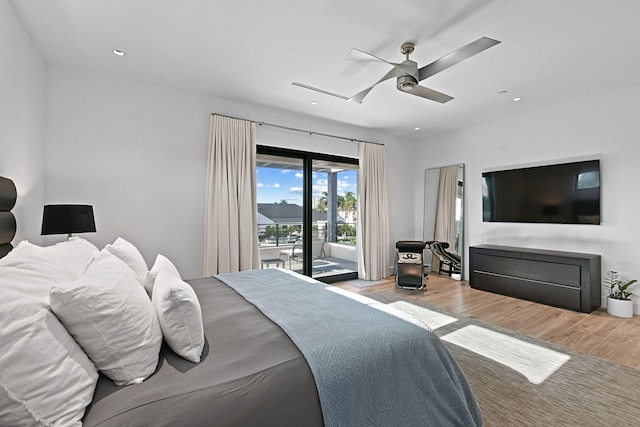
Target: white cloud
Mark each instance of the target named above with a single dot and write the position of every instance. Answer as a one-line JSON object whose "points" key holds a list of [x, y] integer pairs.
{"points": [[276, 185], [259, 185], [295, 190], [299, 175], [318, 190], [344, 186]]}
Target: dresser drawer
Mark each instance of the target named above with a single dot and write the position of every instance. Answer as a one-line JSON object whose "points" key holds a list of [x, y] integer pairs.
{"points": [[562, 274], [558, 295]]}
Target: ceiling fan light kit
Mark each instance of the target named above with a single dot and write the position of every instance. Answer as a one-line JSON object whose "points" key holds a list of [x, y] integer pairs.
{"points": [[406, 83], [408, 75]]}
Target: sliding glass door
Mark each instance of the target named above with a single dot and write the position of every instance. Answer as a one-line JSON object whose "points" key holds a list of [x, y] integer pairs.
{"points": [[307, 212], [334, 218]]}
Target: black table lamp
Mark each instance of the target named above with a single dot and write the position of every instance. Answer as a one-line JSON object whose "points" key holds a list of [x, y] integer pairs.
{"points": [[67, 219]]}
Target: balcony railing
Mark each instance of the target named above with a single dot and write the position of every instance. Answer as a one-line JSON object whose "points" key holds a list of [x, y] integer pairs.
{"points": [[278, 234]]}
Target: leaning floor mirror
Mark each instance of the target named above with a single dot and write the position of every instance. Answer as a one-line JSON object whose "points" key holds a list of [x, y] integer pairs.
{"points": [[443, 219]]}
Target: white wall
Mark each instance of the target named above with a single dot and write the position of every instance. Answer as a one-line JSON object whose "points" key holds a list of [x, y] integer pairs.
{"points": [[604, 126], [137, 152], [22, 91]]}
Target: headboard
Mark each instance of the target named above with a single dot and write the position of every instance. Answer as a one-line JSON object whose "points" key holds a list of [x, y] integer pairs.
{"points": [[8, 197]]}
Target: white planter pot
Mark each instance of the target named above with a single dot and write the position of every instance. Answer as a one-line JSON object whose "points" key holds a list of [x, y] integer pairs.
{"points": [[620, 308]]}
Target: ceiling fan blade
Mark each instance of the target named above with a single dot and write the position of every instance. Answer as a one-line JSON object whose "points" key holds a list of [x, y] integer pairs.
{"points": [[394, 72], [456, 56], [368, 56], [358, 97], [431, 94], [320, 90], [361, 55]]}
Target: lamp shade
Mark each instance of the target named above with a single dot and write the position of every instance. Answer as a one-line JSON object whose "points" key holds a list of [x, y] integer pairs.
{"points": [[67, 219]]}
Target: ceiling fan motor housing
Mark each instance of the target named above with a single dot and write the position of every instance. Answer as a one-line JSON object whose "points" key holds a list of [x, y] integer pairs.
{"points": [[406, 83]]}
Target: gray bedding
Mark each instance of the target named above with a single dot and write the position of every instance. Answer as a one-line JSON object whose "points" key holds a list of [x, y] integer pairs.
{"points": [[371, 368], [360, 366], [251, 374]]}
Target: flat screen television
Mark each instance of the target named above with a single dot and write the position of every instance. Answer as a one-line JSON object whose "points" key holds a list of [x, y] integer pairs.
{"points": [[567, 193]]}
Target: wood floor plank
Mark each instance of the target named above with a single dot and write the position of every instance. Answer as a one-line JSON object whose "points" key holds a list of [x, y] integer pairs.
{"points": [[599, 323], [580, 341]]}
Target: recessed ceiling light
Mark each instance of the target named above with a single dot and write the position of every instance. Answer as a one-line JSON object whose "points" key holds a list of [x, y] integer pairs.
{"points": [[118, 52], [516, 99], [314, 102], [416, 128]]}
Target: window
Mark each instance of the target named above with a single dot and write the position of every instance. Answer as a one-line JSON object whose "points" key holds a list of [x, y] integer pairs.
{"points": [[307, 205]]}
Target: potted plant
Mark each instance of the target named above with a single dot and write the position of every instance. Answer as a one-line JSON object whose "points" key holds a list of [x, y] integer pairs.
{"points": [[619, 302]]}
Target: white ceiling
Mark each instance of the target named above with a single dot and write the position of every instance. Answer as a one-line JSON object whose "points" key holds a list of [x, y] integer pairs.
{"points": [[552, 51]]}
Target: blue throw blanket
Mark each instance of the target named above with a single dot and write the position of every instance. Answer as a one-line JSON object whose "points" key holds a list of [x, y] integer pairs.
{"points": [[371, 368]]}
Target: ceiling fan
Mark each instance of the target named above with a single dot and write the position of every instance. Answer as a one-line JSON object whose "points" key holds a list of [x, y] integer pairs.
{"points": [[408, 75]]}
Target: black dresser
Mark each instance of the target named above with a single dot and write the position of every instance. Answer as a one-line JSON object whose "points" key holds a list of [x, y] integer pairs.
{"points": [[563, 279]]}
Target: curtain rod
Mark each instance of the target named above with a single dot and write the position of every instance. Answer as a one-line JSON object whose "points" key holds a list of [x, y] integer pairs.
{"points": [[298, 130]]}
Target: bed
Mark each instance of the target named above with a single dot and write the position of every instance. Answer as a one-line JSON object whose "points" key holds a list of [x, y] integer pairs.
{"points": [[278, 349]]}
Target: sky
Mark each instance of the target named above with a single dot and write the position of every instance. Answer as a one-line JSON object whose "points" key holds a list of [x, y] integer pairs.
{"points": [[274, 185]]}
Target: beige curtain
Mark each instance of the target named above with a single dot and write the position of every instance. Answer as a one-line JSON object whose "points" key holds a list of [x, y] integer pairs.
{"points": [[446, 214], [373, 218], [231, 230]]}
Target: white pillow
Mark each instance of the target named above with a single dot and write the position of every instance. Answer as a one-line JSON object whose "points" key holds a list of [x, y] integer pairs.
{"points": [[161, 263], [179, 314], [14, 412], [45, 378], [21, 249], [73, 255], [131, 256], [110, 316]]}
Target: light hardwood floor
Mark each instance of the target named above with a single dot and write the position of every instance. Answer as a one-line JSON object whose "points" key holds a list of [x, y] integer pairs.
{"points": [[598, 333]]}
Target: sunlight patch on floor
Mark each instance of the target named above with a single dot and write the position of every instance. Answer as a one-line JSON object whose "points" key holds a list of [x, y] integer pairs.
{"points": [[534, 362], [354, 296], [431, 318], [387, 308]]}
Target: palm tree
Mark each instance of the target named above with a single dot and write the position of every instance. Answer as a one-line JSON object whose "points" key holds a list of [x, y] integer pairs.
{"points": [[349, 202], [321, 206], [347, 206]]}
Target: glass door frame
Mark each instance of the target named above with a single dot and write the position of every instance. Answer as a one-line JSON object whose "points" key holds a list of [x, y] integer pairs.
{"points": [[307, 201]]}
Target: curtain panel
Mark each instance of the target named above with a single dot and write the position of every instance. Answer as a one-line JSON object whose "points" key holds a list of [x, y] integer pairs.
{"points": [[231, 230], [373, 217], [446, 214]]}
